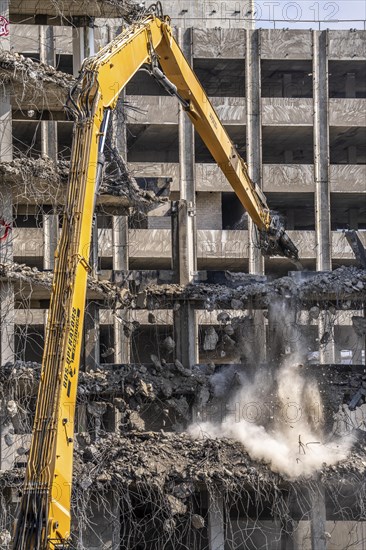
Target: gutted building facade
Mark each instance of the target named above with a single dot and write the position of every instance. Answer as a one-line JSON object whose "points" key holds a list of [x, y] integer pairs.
{"points": [[179, 293]]}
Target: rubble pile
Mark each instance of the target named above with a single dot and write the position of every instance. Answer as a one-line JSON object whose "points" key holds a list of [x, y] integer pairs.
{"points": [[112, 294], [36, 180], [160, 457], [16, 68], [344, 285]]}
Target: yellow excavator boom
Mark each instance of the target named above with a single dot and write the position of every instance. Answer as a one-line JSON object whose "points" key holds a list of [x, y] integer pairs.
{"points": [[44, 513]]}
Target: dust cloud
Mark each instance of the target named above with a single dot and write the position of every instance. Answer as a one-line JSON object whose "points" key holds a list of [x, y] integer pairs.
{"points": [[277, 415], [280, 422]]}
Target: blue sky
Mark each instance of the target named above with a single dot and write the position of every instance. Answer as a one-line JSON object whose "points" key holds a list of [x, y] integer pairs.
{"points": [[336, 14]]}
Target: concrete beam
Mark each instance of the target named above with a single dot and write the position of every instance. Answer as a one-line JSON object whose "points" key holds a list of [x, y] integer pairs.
{"points": [[347, 44], [219, 43], [286, 44], [24, 10], [286, 111]]}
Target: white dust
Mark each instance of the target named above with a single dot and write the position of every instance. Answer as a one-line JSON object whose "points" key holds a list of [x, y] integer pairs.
{"points": [[278, 418]]}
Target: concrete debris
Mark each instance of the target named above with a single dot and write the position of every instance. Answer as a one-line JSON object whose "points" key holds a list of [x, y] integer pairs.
{"points": [[335, 289], [151, 318], [223, 317], [338, 289], [8, 440], [14, 67], [211, 339], [314, 312], [176, 506], [197, 521], [36, 180], [229, 330], [96, 409], [137, 456], [169, 344], [359, 324], [5, 538], [181, 369], [12, 408], [112, 294]]}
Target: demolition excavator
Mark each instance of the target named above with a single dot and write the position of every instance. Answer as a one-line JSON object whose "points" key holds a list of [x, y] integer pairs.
{"points": [[43, 520]]}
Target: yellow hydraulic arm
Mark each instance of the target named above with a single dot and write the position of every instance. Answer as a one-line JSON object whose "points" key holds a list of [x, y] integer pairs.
{"points": [[44, 512]]}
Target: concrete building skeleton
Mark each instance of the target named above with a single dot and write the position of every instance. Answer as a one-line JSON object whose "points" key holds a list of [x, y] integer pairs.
{"points": [[294, 103]]}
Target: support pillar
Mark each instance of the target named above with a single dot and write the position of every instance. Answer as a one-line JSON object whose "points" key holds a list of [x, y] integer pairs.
{"points": [[318, 519], [7, 313], [92, 335], [6, 141], [321, 172], [321, 151], [50, 239], [47, 55], [254, 160], [122, 348], [83, 42], [187, 217], [6, 213], [216, 528], [120, 243], [120, 240], [184, 229], [327, 351], [254, 136]]}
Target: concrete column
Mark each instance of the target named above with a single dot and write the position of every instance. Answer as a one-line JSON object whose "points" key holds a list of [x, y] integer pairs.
{"points": [[120, 237], [184, 239], [6, 141], [318, 519], [120, 243], [83, 43], [185, 334], [254, 135], [50, 239], [7, 313], [92, 335], [116, 529], [254, 160], [187, 218], [122, 351], [327, 351], [6, 213], [94, 248], [47, 54], [357, 349], [321, 150], [7, 316], [216, 528]]}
